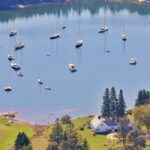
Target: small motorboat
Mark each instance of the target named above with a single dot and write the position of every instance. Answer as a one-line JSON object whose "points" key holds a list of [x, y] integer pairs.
{"points": [[72, 67], [48, 54], [79, 43], [40, 81], [133, 61], [107, 51], [63, 27], [15, 66], [103, 29], [10, 57], [47, 88], [13, 32], [19, 46], [8, 88], [55, 36], [124, 37], [19, 74]]}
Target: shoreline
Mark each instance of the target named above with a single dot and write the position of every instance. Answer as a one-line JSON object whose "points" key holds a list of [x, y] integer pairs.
{"points": [[20, 6], [21, 121], [25, 5]]}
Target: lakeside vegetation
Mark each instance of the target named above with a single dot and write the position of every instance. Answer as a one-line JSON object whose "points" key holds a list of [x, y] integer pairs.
{"points": [[77, 133], [10, 130], [67, 134]]}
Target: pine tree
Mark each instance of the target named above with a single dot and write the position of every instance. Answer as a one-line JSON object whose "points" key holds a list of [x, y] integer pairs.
{"points": [[57, 133], [21, 141], [143, 98], [105, 110], [113, 102], [121, 106], [123, 129], [85, 145]]}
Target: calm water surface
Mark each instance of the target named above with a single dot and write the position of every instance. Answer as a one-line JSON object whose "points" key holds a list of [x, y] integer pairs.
{"points": [[79, 93]]}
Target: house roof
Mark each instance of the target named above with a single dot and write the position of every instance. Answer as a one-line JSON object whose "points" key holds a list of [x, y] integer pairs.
{"points": [[96, 121], [111, 123]]}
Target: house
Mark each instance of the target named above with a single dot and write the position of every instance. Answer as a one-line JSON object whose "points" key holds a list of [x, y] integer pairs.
{"points": [[102, 125]]}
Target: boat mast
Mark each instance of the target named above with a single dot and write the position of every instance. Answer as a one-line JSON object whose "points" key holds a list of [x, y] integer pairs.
{"points": [[104, 14]]}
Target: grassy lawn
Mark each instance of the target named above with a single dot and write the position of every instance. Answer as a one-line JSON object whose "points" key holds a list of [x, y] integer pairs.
{"points": [[40, 139], [97, 142], [8, 133]]}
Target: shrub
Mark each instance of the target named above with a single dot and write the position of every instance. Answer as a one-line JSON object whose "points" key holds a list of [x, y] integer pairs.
{"points": [[65, 119]]}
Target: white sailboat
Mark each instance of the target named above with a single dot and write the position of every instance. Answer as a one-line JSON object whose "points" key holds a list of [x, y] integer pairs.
{"points": [[133, 61], [13, 32], [79, 43], [20, 44], [104, 28], [124, 36], [10, 57], [40, 81], [8, 88], [72, 67]]}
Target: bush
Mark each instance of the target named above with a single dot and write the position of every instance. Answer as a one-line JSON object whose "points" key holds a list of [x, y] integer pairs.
{"points": [[65, 119], [81, 128], [88, 123], [129, 112], [27, 148]]}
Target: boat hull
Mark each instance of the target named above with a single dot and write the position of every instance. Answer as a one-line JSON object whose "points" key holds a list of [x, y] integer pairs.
{"points": [[78, 45], [19, 47], [54, 37]]}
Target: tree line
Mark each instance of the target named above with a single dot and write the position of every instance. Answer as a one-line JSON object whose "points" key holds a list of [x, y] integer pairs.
{"points": [[66, 139], [113, 106]]}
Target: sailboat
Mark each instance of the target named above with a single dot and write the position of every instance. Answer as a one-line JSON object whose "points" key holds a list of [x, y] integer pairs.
{"points": [[79, 43], [104, 28], [15, 66], [124, 36], [13, 32], [19, 45], [133, 61], [8, 88], [10, 57], [40, 81]]}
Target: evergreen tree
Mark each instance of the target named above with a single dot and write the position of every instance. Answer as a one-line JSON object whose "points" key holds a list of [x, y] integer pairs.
{"points": [[65, 119], [73, 136], [143, 98], [106, 110], [85, 145], [53, 146], [21, 141], [65, 144], [121, 106], [123, 129], [137, 138], [113, 103], [57, 133]]}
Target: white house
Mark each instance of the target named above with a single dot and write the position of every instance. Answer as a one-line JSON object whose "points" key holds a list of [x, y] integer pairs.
{"points": [[102, 125]]}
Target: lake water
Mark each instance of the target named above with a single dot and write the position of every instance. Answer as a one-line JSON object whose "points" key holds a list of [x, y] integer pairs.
{"points": [[78, 93]]}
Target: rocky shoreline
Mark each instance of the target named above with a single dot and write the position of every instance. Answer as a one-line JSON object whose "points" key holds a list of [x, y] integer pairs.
{"points": [[16, 4]]}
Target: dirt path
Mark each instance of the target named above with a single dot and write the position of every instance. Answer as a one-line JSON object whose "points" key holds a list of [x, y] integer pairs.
{"points": [[111, 136], [40, 139]]}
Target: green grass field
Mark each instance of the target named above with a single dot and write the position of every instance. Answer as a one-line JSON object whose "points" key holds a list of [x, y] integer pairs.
{"points": [[9, 132], [97, 142]]}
